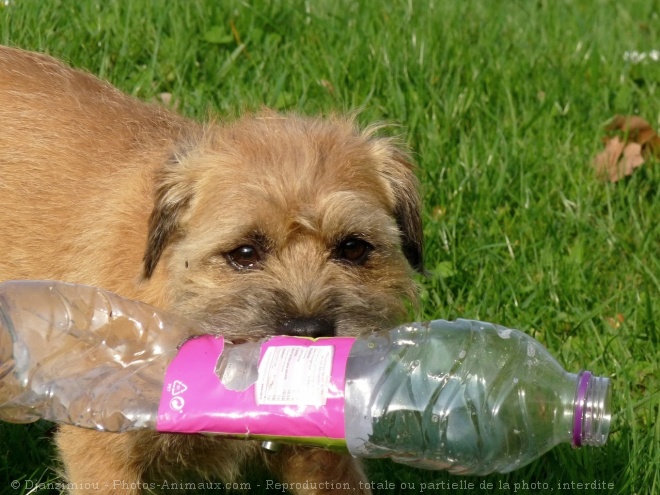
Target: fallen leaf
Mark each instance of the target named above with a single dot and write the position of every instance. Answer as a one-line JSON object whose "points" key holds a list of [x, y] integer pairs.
{"points": [[168, 100], [615, 321], [634, 128], [631, 142], [438, 212], [632, 157], [327, 85], [618, 160]]}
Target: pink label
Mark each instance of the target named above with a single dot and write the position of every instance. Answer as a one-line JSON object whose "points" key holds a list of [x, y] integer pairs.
{"points": [[297, 390]]}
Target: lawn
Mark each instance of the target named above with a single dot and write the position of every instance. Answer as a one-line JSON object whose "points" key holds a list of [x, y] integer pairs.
{"points": [[503, 105]]}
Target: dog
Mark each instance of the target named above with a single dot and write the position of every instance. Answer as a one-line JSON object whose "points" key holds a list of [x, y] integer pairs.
{"points": [[268, 224]]}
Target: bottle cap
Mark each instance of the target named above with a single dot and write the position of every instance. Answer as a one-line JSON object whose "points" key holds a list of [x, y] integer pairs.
{"points": [[591, 413]]}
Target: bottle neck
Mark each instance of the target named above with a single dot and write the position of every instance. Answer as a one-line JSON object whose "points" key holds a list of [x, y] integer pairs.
{"points": [[591, 410]]}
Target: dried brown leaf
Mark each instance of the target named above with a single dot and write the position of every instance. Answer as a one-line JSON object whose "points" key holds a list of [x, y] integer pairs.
{"points": [[632, 157], [166, 98], [615, 321], [327, 85], [631, 142], [634, 128], [606, 162]]}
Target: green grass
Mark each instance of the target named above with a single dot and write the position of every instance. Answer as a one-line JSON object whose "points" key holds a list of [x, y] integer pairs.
{"points": [[503, 104]]}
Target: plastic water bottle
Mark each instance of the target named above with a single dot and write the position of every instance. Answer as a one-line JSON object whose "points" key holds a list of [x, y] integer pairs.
{"points": [[79, 355], [466, 396]]}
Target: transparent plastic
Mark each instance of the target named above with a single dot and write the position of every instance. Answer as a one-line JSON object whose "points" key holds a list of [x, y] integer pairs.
{"points": [[80, 355], [466, 396]]}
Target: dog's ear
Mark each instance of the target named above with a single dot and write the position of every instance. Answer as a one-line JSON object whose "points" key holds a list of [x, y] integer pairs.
{"points": [[173, 192], [399, 172]]}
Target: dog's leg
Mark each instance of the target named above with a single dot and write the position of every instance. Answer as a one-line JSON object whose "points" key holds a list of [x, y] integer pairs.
{"points": [[99, 463], [314, 471]]}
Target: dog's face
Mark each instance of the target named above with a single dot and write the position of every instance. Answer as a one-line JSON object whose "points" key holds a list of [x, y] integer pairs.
{"points": [[287, 225]]}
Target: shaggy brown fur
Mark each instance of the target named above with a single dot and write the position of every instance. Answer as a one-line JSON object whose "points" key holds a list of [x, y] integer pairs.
{"points": [[251, 227]]}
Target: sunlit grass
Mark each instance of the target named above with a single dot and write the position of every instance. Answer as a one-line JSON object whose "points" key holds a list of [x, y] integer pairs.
{"points": [[503, 106]]}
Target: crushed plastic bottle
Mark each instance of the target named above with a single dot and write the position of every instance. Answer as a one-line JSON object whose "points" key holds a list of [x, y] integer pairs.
{"points": [[79, 355], [466, 396]]}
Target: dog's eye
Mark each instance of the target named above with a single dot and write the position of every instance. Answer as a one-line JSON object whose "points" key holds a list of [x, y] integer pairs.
{"points": [[244, 257], [354, 250]]}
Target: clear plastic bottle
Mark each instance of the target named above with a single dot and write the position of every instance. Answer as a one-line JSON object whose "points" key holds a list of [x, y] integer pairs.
{"points": [[466, 396], [79, 355]]}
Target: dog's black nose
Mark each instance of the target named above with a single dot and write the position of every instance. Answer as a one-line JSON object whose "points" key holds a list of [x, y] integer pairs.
{"points": [[307, 327]]}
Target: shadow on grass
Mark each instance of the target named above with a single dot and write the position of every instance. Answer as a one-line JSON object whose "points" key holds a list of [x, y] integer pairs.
{"points": [[562, 470], [27, 455]]}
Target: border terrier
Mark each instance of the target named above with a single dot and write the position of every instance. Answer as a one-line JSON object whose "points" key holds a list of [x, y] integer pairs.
{"points": [[269, 224]]}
